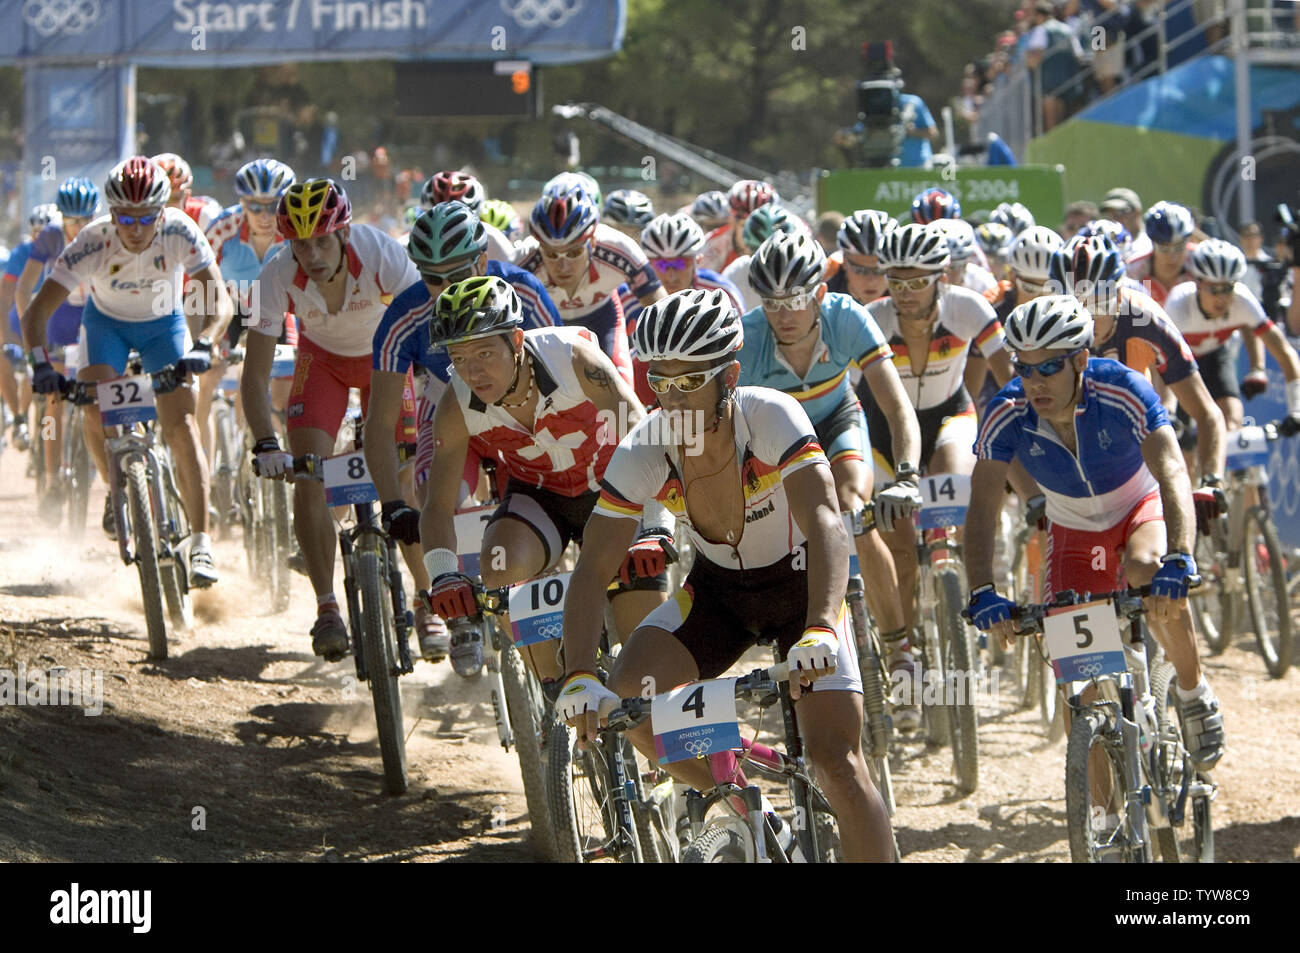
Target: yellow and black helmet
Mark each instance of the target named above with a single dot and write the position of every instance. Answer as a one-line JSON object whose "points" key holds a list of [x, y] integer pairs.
{"points": [[311, 208], [475, 308]]}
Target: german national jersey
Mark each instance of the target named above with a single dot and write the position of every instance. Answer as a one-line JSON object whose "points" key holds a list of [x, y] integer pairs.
{"points": [[1144, 338], [774, 439], [1098, 486], [848, 337], [1206, 334], [563, 453]]}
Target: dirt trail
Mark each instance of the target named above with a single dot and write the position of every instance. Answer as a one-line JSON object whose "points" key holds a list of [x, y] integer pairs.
{"points": [[274, 751]]}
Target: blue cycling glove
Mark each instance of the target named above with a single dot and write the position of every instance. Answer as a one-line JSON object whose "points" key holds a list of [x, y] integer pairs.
{"points": [[986, 608], [1176, 573]]}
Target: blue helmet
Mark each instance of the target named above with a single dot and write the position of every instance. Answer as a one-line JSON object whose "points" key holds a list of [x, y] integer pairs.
{"points": [[934, 203], [1088, 268], [263, 179], [1168, 223], [78, 198], [563, 216]]}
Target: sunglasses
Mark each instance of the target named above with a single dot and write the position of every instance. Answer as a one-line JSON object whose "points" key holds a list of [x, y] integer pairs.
{"points": [[136, 219], [259, 208], [81, 220], [686, 383], [1170, 248], [863, 271], [1031, 287], [912, 284], [1218, 289], [571, 253], [796, 302], [1048, 368], [662, 265], [433, 277]]}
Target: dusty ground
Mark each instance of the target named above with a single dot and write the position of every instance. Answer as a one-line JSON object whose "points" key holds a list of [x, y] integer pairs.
{"points": [[270, 753]]}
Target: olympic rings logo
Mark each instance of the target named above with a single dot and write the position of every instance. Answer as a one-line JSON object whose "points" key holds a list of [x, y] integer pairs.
{"points": [[552, 630], [550, 13], [698, 747], [49, 17], [1092, 668]]}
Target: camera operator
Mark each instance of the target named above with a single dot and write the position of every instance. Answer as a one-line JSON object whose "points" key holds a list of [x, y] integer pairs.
{"points": [[893, 127]]}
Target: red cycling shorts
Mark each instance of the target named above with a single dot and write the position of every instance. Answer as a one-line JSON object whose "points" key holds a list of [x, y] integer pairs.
{"points": [[319, 397], [1093, 561]]}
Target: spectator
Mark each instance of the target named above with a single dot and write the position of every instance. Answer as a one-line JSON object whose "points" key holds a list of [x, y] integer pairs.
{"points": [[1055, 52], [1105, 21], [1252, 246], [828, 227], [1209, 17], [1077, 215], [921, 130]]}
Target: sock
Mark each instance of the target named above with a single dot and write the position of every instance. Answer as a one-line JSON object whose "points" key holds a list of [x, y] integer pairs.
{"points": [[327, 601], [201, 540], [1187, 695]]}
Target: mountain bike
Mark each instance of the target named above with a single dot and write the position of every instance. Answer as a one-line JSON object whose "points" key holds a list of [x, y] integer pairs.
{"points": [[1242, 563], [1031, 672], [226, 447], [1128, 775], [379, 622], [153, 528]]}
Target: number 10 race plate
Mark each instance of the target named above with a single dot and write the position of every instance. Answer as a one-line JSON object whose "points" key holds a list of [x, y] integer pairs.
{"points": [[695, 721], [1084, 641], [537, 609]]}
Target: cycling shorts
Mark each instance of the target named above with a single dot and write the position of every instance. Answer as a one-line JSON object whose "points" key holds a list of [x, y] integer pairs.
{"points": [[1093, 561], [719, 614], [953, 421], [1219, 371], [843, 432], [160, 341], [64, 325], [319, 397]]}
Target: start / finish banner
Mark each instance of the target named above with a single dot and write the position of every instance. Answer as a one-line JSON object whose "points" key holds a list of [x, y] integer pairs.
{"points": [[202, 33], [1040, 188]]}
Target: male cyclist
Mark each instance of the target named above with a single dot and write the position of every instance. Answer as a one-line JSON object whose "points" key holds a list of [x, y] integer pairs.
{"points": [[934, 204], [964, 269], [935, 331], [802, 341], [762, 224], [77, 202], [1169, 227], [465, 188], [627, 210], [203, 209], [759, 502], [710, 209], [541, 402], [336, 279], [135, 260], [860, 246], [447, 244], [725, 244], [17, 397], [1095, 436]]}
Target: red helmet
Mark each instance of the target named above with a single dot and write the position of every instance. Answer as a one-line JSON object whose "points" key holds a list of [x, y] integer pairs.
{"points": [[177, 169], [137, 181], [748, 194], [312, 207], [453, 187]]}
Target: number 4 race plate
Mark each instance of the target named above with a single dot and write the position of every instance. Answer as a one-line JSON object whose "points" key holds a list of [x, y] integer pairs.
{"points": [[695, 720], [537, 609], [1084, 641]]}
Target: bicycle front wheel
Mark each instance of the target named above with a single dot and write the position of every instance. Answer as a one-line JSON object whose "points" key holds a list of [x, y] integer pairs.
{"points": [[1095, 795], [378, 644], [722, 844], [144, 534], [282, 545], [582, 805], [960, 680], [1212, 603], [1264, 567], [82, 471], [1183, 842], [529, 722]]}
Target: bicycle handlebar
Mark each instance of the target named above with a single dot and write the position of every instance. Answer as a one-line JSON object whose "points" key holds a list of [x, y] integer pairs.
{"points": [[1127, 602], [630, 712]]}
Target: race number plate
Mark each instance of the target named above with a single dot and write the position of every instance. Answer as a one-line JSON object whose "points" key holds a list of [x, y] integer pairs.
{"points": [[849, 521], [1084, 641], [537, 609], [282, 363], [126, 401], [470, 525], [347, 481], [944, 498], [695, 720], [230, 379], [1248, 447]]}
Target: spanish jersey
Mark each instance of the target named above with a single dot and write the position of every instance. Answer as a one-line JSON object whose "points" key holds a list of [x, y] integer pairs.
{"points": [[1205, 334], [377, 268], [965, 319], [232, 243], [1096, 488], [129, 286], [615, 260], [847, 337], [774, 439], [719, 249], [1144, 338], [564, 452], [203, 209]]}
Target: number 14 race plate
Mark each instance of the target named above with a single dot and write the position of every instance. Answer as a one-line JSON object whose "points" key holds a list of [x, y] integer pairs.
{"points": [[695, 720], [1084, 641]]}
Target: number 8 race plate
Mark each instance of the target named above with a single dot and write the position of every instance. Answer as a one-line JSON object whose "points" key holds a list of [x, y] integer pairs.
{"points": [[696, 720], [1084, 641]]}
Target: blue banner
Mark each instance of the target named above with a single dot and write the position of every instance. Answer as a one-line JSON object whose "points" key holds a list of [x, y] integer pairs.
{"points": [[202, 33], [1283, 454]]}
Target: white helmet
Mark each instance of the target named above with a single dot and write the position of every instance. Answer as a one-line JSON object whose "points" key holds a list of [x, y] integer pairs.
{"points": [[1032, 251], [1014, 216], [961, 238], [1053, 322], [917, 246], [865, 232], [788, 263], [1216, 260], [691, 325], [672, 236], [45, 214], [566, 180]]}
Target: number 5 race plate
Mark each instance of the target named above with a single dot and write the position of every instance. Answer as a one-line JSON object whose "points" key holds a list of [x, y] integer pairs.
{"points": [[1084, 641], [695, 720], [537, 609]]}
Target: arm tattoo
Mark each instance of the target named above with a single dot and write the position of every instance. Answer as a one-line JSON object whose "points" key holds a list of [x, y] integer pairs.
{"points": [[598, 376]]}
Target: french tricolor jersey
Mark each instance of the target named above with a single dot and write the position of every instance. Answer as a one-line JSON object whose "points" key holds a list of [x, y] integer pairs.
{"points": [[615, 260], [1096, 488], [1205, 334], [564, 452], [774, 438], [965, 320]]}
